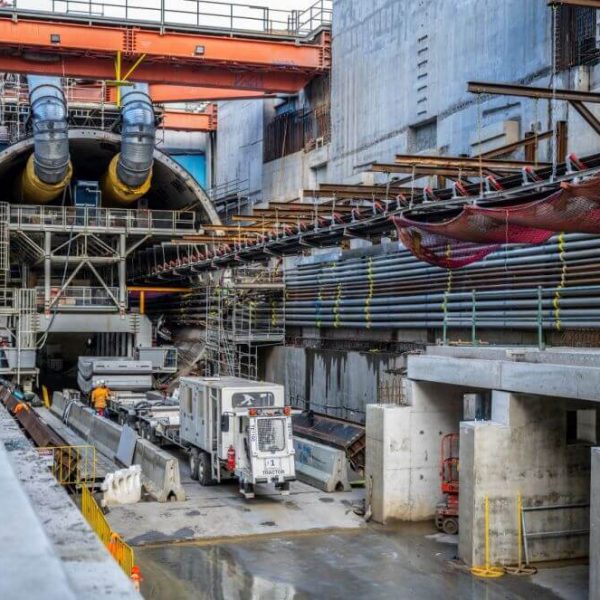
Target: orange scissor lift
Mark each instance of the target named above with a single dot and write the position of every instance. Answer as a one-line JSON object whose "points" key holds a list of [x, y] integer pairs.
{"points": [[446, 514]]}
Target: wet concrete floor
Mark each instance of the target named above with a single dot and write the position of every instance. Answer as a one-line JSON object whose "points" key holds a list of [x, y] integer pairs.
{"points": [[405, 562]]}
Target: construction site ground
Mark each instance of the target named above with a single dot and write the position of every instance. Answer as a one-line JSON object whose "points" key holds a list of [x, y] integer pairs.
{"points": [[220, 511]]}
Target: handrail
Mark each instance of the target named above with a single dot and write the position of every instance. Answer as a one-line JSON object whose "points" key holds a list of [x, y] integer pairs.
{"points": [[208, 15], [112, 219]]}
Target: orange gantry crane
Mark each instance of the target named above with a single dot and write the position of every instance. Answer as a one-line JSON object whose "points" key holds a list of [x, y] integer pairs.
{"points": [[178, 58]]}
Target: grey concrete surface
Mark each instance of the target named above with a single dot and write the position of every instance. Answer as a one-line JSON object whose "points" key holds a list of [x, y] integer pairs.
{"points": [[528, 454], [216, 512], [595, 526], [558, 380], [400, 563], [403, 451], [89, 570]]}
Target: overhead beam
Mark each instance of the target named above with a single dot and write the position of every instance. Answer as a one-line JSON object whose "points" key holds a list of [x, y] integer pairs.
{"points": [[584, 3], [164, 94], [452, 162], [190, 121], [194, 74], [526, 91], [527, 142], [60, 38], [423, 171]]}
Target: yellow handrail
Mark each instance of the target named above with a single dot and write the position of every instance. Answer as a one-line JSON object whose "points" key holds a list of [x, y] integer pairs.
{"points": [[121, 552]]}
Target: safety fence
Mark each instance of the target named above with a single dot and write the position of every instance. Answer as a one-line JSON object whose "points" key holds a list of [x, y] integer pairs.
{"points": [[71, 465], [121, 552]]}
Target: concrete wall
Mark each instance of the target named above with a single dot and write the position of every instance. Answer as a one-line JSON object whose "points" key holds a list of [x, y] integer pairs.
{"points": [[239, 152], [595, 526], [336, 383], [524, 451], [403, 451]]}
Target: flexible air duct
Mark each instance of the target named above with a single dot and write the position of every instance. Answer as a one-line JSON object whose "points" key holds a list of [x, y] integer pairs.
{"points": [[48, 170], [130, 172]]}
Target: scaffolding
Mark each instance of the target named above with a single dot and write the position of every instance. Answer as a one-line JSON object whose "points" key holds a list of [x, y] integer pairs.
{"points": [[245, 311]]}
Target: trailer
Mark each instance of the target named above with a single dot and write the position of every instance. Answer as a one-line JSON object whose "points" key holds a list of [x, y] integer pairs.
{"points": [[237, 428]]}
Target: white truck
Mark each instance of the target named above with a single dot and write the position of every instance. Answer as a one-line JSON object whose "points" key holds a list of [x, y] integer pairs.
{"points": [[235, 427]]}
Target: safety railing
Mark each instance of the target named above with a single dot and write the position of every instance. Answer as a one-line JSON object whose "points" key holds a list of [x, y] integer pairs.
{"points": [[199, 14], [71, 465], [121, 552], [117, 220], [80, 297]]}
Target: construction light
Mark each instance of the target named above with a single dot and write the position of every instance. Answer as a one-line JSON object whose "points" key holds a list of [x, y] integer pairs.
{"points": [[54, 38], [252, 412], [199, 50], [287, 411]]}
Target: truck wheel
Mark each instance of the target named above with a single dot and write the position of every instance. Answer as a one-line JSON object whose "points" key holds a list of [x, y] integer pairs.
{"points": [[194, 460], [450, 526], [204, 469]]}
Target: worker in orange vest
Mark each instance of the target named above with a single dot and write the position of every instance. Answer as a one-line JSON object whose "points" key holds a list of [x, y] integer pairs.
{"points": [[136, 577], [99, 397]]}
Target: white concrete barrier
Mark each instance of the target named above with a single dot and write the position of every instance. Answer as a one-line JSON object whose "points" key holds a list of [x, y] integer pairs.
{"points": [[321, 466], [122, 487], [160, 470]]}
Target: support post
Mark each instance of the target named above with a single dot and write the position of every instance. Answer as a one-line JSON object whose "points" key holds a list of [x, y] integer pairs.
{"points": [[47, 270], [122, 273]]}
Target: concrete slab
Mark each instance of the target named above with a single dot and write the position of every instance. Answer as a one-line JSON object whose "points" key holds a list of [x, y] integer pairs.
{"points": [[577, 382], [221, 512], [90, 570]]}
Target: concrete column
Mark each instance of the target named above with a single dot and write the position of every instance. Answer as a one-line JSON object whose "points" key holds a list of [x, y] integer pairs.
{"points": [[595, 525], [403, 451], [523, 450]]}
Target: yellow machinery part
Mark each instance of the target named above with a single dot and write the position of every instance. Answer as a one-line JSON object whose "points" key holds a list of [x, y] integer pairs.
{"points": [[32, 190], [115, 191]]}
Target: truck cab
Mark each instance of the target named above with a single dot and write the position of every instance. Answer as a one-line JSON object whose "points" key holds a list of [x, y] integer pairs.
{"points": [[235, 427]]}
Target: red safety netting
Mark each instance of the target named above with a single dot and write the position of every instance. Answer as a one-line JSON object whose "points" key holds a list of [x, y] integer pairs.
{"points": [[442, 251], [575, 208], [477, 231]]}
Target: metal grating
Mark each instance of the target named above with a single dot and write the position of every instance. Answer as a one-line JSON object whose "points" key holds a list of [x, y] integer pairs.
{"points": [[271, 435]]}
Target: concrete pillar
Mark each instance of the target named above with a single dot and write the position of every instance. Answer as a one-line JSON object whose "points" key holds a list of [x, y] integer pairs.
{"points": [[595, 525], [522, 450], [403, 451]]}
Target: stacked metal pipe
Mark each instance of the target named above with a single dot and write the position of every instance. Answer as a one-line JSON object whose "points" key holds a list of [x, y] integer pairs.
{"points": [[552, 285]]}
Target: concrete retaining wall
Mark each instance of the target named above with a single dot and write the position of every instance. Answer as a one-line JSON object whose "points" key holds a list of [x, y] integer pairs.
{"points": [[338, 384], [160, 470], [595, 526]]}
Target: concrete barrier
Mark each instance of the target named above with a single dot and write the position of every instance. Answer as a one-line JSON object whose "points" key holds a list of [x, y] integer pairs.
{"points": [[321, 466], [160, 470]]}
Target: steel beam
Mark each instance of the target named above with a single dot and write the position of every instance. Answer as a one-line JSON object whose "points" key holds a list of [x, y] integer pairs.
{"points": [[188, 121], [584, 3], [194, 74], [164, 94], [424, 171], [456, 162], [587, 115], [526, 91], [527, 142]]}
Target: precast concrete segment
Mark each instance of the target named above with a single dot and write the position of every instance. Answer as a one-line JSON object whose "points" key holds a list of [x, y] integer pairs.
{"points": [[558, 380], [90, 570], [595, 525]]}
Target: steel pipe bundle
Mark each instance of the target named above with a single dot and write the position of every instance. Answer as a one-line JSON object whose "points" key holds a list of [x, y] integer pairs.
{"points": [[553, 285]]}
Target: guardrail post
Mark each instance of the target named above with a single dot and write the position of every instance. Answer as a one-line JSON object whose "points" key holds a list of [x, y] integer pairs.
{"points": [[540, 320], [474, 318]]}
